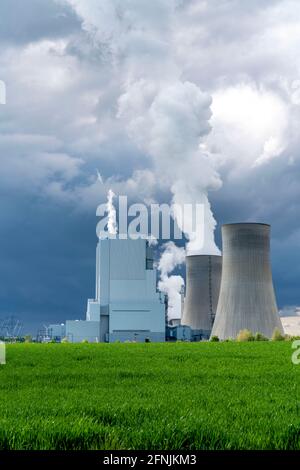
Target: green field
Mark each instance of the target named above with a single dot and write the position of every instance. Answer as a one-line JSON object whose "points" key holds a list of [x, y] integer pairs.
{"points": [[150, 396]]}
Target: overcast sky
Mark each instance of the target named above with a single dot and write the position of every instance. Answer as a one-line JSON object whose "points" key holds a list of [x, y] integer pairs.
{"points": [[86, 82]]}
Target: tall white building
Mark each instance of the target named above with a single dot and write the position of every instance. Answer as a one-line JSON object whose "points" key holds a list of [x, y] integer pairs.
{"points": [[127, 305]]}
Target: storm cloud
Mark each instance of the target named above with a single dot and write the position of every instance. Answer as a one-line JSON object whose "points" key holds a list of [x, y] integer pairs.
{"points": [[66, 63]]}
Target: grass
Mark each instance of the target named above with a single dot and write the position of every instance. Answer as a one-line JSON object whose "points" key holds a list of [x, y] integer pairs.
{"points": [[150, 396]]}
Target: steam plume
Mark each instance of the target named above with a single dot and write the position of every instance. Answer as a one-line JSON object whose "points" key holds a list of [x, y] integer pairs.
{"points": [[171, 257], [112, 226], [170, 123], [165, 115]]}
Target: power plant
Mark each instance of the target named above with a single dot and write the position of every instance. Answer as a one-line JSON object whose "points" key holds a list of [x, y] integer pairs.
{"points": [[203, 278], [127, 305], [224, 294], [247, 298]]}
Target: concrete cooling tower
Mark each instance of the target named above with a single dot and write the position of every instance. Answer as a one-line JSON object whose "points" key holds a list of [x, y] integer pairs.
{"points": [[247, 298], [203, 278]]}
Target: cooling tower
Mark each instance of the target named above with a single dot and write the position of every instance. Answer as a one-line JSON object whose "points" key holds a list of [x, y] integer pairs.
{"points": [[247, 298], [203, 277]]}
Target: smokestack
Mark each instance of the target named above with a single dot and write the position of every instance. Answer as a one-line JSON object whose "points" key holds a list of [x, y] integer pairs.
{"points": [[247, 298], [203, 278], [182, 293]]}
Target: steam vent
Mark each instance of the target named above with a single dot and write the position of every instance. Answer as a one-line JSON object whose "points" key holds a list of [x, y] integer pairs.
{"points": [[247, 298], [203, 278]]}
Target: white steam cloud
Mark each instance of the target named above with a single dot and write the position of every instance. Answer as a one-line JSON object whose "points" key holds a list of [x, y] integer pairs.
{"points": [[172, 257], [112, 226], [166, 116], [169, 122]]}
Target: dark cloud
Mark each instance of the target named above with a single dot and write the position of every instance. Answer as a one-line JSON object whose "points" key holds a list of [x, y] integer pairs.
{"points": [[59, 125], [24, 21], [47, 254]]}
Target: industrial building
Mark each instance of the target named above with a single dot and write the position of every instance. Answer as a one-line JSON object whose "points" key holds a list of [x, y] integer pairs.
{"points": [[247, 298], [179, 333], [224, 294], [127, 305], [54, 332], [203, 278]]}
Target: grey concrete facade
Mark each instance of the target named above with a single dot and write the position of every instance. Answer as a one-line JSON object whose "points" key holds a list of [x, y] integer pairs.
{"points": [[136, 336], [80, 330], [203, 278], [179, 333], [247, 299]]}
